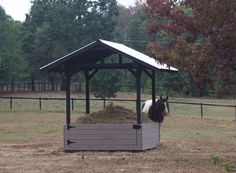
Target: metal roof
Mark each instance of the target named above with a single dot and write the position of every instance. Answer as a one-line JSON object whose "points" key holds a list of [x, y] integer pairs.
{"points": [[138, 55], [98, 50]]}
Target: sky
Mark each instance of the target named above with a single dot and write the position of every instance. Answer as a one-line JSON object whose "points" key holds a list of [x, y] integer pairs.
{"points": [[18, 8]]}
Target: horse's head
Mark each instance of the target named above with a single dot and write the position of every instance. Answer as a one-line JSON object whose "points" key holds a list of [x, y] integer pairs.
{"points": [[164, 101], [160, 110]]}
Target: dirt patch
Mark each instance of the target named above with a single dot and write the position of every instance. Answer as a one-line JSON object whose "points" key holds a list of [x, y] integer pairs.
{"points": [[187, 146], [112, 114]]}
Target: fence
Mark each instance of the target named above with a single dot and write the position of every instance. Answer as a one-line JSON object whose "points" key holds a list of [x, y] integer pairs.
{"points": [[38, 86], [78, 87], [40, 107]]}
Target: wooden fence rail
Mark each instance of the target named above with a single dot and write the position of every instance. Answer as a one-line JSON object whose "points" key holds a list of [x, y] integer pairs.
{"points": [[201, 105]]}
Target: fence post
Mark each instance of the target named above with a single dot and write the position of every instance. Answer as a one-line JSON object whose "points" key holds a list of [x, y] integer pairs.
{"points": [[72, 104], [104, 102], [201, 110], [40, 103], [11, 103], [12, 85], [235, 112]]}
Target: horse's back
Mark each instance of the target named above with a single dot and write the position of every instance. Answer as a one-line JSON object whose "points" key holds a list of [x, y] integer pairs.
{"points": [[146, 105]]}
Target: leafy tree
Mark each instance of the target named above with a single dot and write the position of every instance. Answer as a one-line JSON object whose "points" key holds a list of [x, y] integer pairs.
{"points": [[12, 64], [203, 41], [137, 36], [55, 28]]}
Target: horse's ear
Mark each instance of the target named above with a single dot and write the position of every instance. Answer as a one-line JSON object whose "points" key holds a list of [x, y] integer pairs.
{"points": [[167, 98], [161, 97]]}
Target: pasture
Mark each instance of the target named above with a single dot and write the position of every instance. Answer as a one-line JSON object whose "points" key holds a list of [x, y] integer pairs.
{"points": [[32, 141]]}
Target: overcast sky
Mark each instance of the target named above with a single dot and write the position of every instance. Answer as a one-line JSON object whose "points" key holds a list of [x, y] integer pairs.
{"points": [[18, 8]]}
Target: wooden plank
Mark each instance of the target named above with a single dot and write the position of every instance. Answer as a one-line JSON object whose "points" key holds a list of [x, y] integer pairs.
{"points": [[104, 142], [75, 147], [102, 126], [101, 131], [101, 137]]}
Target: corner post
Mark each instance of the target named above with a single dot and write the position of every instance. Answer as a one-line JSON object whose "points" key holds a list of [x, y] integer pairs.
{"points": [[86, 73], [68, 112], [138, 100], [153, 90]]}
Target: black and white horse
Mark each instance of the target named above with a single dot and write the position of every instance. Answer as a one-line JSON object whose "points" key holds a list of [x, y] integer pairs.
{"points": [[161, 109]]}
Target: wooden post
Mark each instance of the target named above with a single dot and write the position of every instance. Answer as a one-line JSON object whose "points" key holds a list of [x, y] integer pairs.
{"points": [[120, 58], [201, 111], [68, 115], [138, 100], [86, 73], [72, 100], [235, 112], [104, 102], [11, 103], [40, 104], [153, 90]]}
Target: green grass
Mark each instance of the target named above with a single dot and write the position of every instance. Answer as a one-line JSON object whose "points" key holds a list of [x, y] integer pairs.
{"points": [[176, 110], [185, 127], [13, 136], [27, 126]]}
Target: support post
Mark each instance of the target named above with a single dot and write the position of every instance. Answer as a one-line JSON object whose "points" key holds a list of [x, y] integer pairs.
{"points": [[11, 103], [153, 90], [40, 104], [120, 58], [235, 112], [138, 100], [68, 115], [201, 110], [86, 72], [72, 102], [104, 103]]}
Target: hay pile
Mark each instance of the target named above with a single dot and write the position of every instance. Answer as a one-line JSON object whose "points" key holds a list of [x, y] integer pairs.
{"points": [[112, 114]]}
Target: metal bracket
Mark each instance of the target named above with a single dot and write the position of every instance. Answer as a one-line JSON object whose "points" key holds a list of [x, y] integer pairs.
{"points": [[137, 126], [70, 127], [69, 142]]}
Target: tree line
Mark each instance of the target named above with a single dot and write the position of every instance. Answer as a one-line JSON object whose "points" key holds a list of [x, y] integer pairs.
{"points": [[193, 35]]}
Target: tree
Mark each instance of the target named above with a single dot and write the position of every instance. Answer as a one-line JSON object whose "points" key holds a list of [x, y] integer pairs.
{"points": [[55, 28], [203, 43], [12, 64], [137, 37]]}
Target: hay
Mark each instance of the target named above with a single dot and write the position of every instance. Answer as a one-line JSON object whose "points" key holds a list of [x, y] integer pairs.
{"points": [[112, 114]]}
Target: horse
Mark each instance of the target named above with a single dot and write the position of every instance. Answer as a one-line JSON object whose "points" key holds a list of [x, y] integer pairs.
{"points": [[161, 109]]}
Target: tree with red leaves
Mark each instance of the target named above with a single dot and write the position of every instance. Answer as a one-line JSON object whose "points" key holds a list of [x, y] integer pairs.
{"points": [[203, 43]]}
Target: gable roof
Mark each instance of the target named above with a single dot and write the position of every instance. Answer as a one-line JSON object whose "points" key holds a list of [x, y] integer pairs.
{"points": [[100, 49]]}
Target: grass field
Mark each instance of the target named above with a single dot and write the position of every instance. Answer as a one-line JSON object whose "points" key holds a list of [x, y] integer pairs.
{"points": [[177, 110], [32, 141]]}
